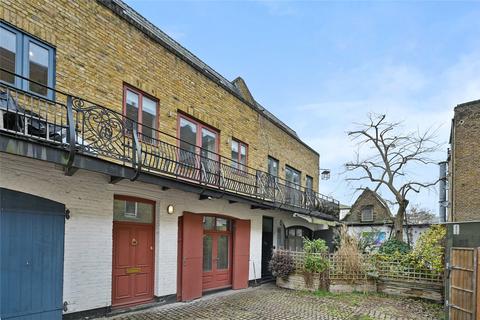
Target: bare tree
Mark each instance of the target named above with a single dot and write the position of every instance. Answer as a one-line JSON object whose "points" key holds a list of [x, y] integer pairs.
{"points": [[386, 164]]}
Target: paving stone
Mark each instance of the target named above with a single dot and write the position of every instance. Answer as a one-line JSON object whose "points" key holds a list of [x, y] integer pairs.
{"points": [[268, 302]]}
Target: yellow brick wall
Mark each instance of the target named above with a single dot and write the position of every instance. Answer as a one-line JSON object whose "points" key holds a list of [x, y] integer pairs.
{"points": [[97, 52], [464, 164]]}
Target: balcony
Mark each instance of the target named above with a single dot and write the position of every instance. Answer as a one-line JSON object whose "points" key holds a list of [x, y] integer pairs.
{"points": [[81, 128]]}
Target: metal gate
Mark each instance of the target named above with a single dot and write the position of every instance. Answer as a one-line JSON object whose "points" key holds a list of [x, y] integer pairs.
{"points": [[462, 284], [31, 257]]}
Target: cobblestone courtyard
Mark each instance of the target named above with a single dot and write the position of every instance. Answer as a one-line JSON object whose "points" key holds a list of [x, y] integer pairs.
{"points": [[270, 302]]}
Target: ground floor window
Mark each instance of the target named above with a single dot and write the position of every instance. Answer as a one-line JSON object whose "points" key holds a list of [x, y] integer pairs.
{"points": [[129, 209], [295, 236]]}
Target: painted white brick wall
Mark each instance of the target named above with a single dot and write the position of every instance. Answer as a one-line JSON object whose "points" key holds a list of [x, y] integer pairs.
{"points": [[88, 233]]}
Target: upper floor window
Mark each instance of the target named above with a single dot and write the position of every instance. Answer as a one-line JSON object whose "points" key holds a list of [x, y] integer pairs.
{"points": [[367, 213], [193, 135], [141, 108], [23, 55], [272, 166], [292, 176], [309, 183], [292, 192], [239, 155]]}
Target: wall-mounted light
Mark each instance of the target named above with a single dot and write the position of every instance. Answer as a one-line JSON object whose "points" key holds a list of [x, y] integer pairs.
{"points": [[325, 174], [170, 209]]}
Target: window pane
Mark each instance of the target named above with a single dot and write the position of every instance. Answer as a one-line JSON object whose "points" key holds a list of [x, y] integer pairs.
{"points": [[208, 223], [288, 175], [309, 183], [149, 106], [8, 51], [38, 65], [209, 144], [222, 252], [124, 210], [291, 232], [234, 154], [148, 125], [149, 117], [243, 154], [207, 253], [292, 175], [367, 214], [188, 135], [222, 224], [272, 167], [131, 101]]}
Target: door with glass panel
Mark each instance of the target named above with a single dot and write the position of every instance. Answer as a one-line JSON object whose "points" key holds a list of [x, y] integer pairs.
{"points": [[198, 153], [133, 254], [217, 253], [292, 190]]}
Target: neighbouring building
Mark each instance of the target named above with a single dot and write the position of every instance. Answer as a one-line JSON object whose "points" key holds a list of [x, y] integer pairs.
{"points": [[463, 177], [460, 204], [370, 218], [131, 171], [464, 164]]}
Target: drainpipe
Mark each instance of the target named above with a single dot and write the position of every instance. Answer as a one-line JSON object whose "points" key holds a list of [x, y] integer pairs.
{"points": [[442, 196]]}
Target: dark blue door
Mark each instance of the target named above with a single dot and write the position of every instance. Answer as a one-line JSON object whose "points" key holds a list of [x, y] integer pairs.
{"points": [[31, 257]]}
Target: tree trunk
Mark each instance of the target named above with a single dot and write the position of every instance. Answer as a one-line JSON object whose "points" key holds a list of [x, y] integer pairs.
{"points": [[398, 222]]}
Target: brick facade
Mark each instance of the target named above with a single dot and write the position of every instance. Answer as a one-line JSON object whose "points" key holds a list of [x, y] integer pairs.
{"points": [[464, 163], [97, 52]]}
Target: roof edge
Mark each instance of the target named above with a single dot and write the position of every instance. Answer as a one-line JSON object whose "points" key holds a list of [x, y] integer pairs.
{"points": [[120, 9], [468, 103]]}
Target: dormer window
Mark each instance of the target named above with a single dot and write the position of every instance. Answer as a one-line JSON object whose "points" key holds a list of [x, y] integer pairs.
{"points": [[367, 214]]}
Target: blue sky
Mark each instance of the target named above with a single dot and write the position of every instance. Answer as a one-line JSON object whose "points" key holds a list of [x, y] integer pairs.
{"points": [[321, 66]]}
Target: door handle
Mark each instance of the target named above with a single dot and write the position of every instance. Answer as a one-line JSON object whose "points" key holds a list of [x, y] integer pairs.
{"points": [[134, 242]]}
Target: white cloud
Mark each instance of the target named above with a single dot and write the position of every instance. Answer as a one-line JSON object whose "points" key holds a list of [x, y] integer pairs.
{"points": [[279, 8], [403, 92]]}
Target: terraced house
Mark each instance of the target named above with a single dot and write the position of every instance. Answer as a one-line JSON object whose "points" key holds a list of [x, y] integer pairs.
{"points": [[131, 171]]}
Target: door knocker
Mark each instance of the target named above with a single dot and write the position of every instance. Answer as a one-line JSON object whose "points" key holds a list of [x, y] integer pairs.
{"points": [[134, 242]]}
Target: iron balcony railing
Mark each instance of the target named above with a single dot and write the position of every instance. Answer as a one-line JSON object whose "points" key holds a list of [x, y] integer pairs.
{"points": [[83, 127]]}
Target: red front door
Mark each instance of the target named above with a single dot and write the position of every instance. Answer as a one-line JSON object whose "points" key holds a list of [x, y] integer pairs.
{"points": [[133, 255], [217, 264]]}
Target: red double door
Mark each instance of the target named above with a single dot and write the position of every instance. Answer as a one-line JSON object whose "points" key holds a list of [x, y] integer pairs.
{"points": [[217, 260], [133, 263], [211, 259]]}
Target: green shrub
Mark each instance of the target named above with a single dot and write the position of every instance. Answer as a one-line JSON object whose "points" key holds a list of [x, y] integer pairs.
{"points": [[316, 260], [394, 247], [281, 265], [429, 251], [427, 257]]}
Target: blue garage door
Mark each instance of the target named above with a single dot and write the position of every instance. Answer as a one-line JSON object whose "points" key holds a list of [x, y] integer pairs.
{"points": [[31, 257]]}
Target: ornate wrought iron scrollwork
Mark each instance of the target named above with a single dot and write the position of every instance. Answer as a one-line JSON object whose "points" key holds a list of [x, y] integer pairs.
{"points": [[103, 130]]}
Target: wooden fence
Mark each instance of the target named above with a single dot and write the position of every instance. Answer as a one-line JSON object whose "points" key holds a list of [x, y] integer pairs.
{"points": [[389, 276], [367, 266]]}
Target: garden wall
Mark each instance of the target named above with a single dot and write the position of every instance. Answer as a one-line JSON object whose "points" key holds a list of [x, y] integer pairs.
{"points": [[388, 277], [425, 290]]}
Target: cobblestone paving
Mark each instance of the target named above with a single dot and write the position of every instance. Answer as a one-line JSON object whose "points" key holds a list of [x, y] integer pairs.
{"points": [[269, 302]]}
